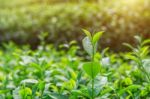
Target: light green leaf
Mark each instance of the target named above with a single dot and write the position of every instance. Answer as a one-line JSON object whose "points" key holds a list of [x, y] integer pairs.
{"points": [[4, 91], [138, 38], [92, 68], [106, 90], [57, 96], [131, 87], [145, 51], [87, 45], [87, 33], [41, 85], [25, 92], [129, 46], [146, 42], [130, 56], [29, 81], [144, 93], [96, 37]]}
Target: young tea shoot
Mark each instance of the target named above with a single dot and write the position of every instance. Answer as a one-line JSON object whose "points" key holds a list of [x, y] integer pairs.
{"points": [[140, 54], [92, 68]]}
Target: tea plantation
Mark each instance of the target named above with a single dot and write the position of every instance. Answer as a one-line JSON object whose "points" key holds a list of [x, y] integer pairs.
{"points": [[74, 49], [67, 72]]}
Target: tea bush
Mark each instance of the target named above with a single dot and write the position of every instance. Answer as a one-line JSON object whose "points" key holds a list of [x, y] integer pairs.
{"points": [[49, 73], [25, 21]]}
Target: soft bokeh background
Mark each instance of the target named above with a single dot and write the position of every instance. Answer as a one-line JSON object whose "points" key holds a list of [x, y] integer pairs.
{"points": [[23, 20]]}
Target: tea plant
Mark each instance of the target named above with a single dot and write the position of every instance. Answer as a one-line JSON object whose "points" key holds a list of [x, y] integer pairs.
{"points": [[92, 68], [140, 54], [68, 73]]}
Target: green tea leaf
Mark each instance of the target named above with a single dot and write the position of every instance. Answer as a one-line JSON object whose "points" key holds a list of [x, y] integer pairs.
{"points": [[129, 88], [145, 51], [29, 82], [144, 93], [87, 33], [92, 68], [41, 85], [138, 38], [87, 45], [146, 42], [129, 46], [25, 92], [57, 96], [130, 56], [4, 91], [96, 37]]}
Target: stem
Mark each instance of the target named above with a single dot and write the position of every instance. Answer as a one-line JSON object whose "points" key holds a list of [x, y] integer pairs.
{"points": [[92, 75], [92, 88], [31, 97], [41, 95], [24, 97]]}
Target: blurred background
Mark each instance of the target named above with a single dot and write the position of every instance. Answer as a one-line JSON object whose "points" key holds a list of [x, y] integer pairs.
{"points": [[21, 21]]}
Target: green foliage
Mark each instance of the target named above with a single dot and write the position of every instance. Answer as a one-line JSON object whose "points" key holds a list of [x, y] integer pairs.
{"points": [[50, 73], [140, 55]]}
